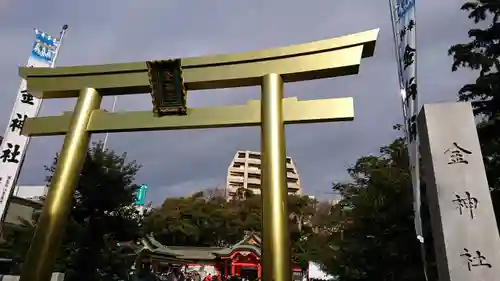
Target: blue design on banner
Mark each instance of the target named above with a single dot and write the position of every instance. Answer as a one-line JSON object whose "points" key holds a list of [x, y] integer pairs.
{"points": [[45, 47], [403, 6]]}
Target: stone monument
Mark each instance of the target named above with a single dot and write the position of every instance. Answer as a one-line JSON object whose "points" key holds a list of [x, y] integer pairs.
{"points": [[466, 239]]}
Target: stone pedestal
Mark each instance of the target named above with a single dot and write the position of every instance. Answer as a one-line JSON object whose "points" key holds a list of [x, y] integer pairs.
{"points": [[467, 242]]}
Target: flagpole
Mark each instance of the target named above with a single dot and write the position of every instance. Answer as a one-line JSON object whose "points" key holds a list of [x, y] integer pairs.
{"points": [[61, 38], [409, 109], [115, 100]]}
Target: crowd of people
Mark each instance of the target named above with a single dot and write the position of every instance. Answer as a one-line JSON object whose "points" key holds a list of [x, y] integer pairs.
{"points": [[175, 273], [210, 277], [195, 276]]}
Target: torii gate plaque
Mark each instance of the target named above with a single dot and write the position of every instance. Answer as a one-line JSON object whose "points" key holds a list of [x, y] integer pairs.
{"points": [[267, 68]]}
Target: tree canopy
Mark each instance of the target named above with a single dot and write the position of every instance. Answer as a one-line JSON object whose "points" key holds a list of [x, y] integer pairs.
{"points": [[102, 215], [481, 54], [374, 222], [199, 221]]}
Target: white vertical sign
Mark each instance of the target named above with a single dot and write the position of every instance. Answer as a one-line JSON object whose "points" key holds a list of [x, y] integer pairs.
{"points": [[404, 30], [403, 20], [14, 145]]}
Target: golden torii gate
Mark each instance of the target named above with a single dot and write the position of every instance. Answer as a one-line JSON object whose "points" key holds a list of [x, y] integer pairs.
{"points": [[168, 81]]}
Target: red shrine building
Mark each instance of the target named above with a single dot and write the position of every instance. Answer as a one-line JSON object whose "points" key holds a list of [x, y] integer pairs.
{"points": [[241, 259]]}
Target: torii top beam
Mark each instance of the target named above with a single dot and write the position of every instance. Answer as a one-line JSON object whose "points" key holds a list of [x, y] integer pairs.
{"points": [[315, 60]]}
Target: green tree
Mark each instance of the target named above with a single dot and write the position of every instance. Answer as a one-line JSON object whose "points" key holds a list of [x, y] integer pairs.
{"points": [[481, 54], [16, 241], [303, 211], [102, 215], [375, 221], [199, 221]]}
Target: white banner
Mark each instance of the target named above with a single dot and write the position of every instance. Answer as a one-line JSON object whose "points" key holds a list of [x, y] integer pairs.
{"points": [[403, 20], [14, 145]]}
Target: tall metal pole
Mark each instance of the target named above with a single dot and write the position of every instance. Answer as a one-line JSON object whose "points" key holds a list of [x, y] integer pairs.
{"points": [[50, 228], [61, 37], [115, 100], [276, 255], [408, 112]]}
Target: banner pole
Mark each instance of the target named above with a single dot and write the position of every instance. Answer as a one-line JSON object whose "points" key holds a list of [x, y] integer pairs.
{"points": [[404, 33], [14, 146], [61, 38], [113, 107]]}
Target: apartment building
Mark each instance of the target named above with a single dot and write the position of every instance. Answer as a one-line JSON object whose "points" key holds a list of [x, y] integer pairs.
{"points": [[245, 173]]}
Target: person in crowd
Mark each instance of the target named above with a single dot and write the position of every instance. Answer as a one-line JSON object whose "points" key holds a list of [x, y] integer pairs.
{"points": [[144, 272], [178, 274]]}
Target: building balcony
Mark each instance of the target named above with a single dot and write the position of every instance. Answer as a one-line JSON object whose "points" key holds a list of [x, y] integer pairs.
{"points": [[253, 181], [236, 180], [258, 173], [236, 172], [239, 160], [237, 167], [253, 161]]}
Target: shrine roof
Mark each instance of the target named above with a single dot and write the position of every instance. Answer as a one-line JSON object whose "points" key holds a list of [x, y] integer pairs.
{"points": [[251, 242], [195, 253]]}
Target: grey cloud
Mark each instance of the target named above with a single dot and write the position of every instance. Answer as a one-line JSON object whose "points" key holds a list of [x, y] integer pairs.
{"points": [[180, 162]]}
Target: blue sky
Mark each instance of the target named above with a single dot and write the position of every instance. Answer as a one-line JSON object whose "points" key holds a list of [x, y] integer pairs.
{"points": [[178, 163]]}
